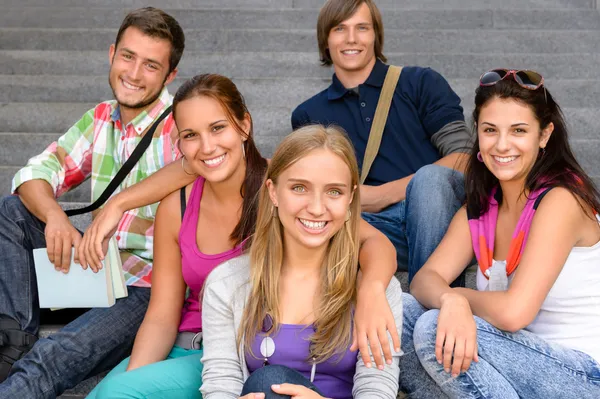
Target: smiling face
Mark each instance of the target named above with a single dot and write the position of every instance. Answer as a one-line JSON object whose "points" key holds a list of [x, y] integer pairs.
{"points": [[351, 44], [139, 69], [208, 140], [312, 197], [510, 138]]}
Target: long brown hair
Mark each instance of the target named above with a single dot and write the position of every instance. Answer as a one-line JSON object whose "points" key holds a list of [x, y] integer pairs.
{"points": [[556, 167], [224, 91], [337, 293]]}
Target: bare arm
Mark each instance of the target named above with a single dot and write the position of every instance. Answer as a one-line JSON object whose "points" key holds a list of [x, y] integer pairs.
{"points": [[373, 316], [376, 198], [158, 331], [150, 190], [38, 197], [558, 225]]}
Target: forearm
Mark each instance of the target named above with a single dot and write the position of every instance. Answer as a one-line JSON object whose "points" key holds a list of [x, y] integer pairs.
{"points": [[154, 188], [492, 307], [456, 161], [38, 198], [428, 287], [153, 342], [377, 260]]}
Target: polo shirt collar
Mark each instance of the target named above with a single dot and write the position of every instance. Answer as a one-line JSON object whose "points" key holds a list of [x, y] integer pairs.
{"points": [[141, 122], [337, 90]]}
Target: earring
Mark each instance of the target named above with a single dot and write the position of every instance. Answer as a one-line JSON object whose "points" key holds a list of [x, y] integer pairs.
{"points": [[542, 152], [243, 150], [348, 215], [183, 167], [479, 157]]}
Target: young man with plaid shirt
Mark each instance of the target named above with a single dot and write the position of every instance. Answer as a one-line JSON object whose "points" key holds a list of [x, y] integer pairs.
{"points": [[143, 61]]}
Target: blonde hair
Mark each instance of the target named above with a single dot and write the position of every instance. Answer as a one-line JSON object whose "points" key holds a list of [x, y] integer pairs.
{"points": [[333, 323]]}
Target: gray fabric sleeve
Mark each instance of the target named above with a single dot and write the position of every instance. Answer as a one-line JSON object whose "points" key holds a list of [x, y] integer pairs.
{"points": [[371, 382], [453, 137]]}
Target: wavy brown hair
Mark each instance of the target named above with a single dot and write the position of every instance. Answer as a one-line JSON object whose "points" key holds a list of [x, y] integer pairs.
{"points": [[557, 165], [337, 292], [225, 92]]}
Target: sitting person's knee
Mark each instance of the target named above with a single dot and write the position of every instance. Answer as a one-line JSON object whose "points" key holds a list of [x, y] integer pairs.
{"points": [[435, 183], [425, 331], [260, 381]]}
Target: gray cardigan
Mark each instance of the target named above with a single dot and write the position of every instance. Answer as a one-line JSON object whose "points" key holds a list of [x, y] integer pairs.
{"points": [[225, 294]]}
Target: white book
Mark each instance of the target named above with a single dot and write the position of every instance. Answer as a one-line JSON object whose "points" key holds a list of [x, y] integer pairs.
{"points": [[80, 288]]}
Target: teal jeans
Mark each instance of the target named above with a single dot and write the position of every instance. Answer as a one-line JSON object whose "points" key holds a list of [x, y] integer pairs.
{"points": [[178, 376]]}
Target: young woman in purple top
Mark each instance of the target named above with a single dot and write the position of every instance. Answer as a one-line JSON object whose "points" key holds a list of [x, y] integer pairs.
{"points": [[278, 322], [216, 140]]}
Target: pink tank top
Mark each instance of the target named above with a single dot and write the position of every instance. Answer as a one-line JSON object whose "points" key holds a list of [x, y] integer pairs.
{"points": [[194, 264]]}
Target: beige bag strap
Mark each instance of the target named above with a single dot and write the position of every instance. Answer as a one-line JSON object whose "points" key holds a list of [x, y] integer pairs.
{"points": [[381, 113]]}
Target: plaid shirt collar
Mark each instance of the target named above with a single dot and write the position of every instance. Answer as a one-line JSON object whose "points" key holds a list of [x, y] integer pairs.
{"points": [[145, 118]]}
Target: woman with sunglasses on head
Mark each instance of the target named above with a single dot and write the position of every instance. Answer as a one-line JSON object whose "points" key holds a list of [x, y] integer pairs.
{"points": [[210, 220], [278, 322], [532, 327]]}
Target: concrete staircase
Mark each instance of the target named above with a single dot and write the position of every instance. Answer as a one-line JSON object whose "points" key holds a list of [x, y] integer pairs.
{"points": [[54, 60]]}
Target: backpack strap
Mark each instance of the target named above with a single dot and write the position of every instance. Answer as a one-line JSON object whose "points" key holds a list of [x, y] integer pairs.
{"points": [[183, 202], [125, 169], [379, 120], [14, 344]]}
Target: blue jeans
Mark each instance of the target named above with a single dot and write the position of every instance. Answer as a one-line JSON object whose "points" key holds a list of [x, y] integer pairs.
{"points": [[417, 225], [260, 381], [178, 376], [511, 365], [94, 342]]}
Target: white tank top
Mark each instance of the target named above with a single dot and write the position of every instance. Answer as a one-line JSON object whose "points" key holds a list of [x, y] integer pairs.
{"points": [[570, 314]]}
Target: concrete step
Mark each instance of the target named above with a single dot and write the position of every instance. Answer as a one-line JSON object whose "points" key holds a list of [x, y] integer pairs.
{"points": [[384, 4], [300, 64], [91, 18], [259, 93], [449, 41], [271, 121]]}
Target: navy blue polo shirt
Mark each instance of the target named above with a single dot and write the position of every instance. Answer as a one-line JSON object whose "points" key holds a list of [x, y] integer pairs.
{"points": [[422, 104]]}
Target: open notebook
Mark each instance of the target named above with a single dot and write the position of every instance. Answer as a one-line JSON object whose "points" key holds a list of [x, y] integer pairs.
{"points": [[80, 288]]}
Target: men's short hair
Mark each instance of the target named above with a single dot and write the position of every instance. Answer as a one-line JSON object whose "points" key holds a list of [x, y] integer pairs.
{"points": [[156, 23], [334, 12]]}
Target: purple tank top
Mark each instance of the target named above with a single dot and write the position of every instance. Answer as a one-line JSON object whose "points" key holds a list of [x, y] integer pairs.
{"points": [[334, 377], [194, 264]]}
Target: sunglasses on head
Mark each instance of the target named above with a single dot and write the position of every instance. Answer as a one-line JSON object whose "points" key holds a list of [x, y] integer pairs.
{"points": [[525, 78]]}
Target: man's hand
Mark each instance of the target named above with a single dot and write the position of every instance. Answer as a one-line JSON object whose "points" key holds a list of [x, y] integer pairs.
{"points": [[296, 391], [374, 199], [94, 245], [253, 396], [373, 318], [61, 236]]}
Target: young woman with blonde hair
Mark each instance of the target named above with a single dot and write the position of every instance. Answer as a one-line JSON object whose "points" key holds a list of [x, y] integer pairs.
{"points": [[279, 320]]}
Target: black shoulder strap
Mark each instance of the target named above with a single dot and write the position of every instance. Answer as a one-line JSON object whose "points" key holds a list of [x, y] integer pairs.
{"points": [[125, 169], [183, 202]]}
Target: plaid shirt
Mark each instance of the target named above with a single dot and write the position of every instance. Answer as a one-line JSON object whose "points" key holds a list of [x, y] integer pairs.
{"points": [[97, 146]]}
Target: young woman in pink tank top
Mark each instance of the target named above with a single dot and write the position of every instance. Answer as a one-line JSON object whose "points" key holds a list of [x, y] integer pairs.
{"points": [[216, 141]]}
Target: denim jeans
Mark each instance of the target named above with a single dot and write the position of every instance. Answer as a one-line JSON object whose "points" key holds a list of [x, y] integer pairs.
{"points": [[511, 365], [94, 342], [417, 225], [260, 381]]}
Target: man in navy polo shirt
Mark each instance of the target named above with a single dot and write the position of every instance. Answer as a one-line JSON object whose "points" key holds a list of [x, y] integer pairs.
{"points": [[413, 188]]}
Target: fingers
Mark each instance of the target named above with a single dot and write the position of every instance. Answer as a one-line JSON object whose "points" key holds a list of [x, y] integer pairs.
{"points": [[458, 356], [76, 243], [354, 345], [363, 347], [373, 339], [439, 345], [393, 329], [81, 252], [385, 346], [254, 395], [448, 349], [288, 389], [470, 352]]}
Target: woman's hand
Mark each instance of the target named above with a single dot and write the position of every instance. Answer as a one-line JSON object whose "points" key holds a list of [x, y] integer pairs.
{"points": [[373, 318], [94, 245], [296, 391], [456, 334]]}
